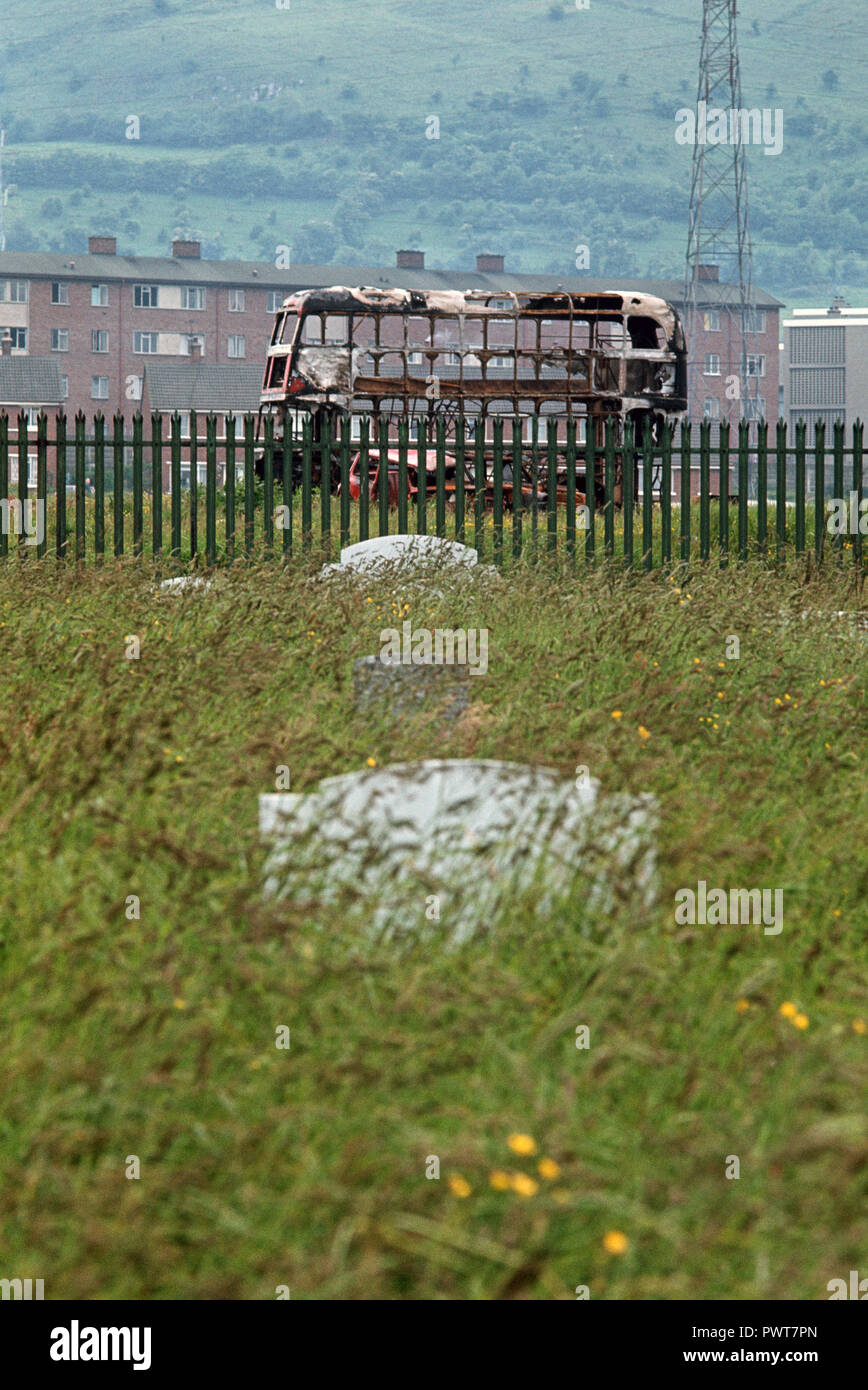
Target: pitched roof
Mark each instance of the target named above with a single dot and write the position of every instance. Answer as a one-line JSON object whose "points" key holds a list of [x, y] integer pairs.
{"points": [[30, 381], [204, 386], [190, 270]]}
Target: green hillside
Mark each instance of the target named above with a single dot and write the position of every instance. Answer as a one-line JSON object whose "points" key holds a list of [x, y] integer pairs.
{"points": [[309, 126]]}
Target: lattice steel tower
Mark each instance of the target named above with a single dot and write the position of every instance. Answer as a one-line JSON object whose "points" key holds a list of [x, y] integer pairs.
{"points": [[719, 225]]}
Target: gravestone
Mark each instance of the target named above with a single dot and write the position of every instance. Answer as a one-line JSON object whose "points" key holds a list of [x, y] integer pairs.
{"points": [[846, 623], [184, 583], [385, 685], [381, 551], [405, 556], [470, 835]]}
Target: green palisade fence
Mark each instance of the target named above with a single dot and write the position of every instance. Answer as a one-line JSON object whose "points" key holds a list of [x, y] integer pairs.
{"points": [[232, 488]]}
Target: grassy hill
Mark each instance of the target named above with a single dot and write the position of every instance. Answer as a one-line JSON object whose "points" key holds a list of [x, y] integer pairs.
{"points": [[310, 126]]}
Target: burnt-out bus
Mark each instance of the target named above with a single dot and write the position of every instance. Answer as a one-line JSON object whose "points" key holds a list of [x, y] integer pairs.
{"points": [[467, 358]]}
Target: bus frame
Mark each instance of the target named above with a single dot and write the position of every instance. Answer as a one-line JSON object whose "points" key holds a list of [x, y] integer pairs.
{"points": [[615, 355]]}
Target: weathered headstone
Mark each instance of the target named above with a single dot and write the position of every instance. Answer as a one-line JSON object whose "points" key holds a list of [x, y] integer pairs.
{"points": [[470, 835], [841, 623], [380, 551], [406, 556], [385, 685], [184, 583]]}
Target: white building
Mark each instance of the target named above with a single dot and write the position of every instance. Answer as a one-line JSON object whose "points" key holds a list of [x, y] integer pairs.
{"points": [[826, 366]]}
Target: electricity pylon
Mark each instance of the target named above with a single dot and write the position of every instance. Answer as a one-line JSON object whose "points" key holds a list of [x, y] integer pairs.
{"points": [[719, 224]]}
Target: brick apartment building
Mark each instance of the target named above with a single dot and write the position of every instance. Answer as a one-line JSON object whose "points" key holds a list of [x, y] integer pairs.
{"points": [[105, 317]]}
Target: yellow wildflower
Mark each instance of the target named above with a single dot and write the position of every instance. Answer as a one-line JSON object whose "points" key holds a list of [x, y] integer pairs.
{"points": [[615, 1242], [525, 1186], [521, 1144]]}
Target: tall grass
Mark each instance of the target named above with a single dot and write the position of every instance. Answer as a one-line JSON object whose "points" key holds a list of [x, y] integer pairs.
{"points": [[154, 1035]]}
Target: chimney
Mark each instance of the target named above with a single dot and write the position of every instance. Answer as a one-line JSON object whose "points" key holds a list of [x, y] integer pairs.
{"points": [[189, 249], [102, 246], [195, 350], [490, 264], [411, 260], [6, 345], [708, 272]]}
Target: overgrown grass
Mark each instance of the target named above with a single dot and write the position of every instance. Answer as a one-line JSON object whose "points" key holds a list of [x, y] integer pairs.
{"points": [[523, 536], [260, 1167]]}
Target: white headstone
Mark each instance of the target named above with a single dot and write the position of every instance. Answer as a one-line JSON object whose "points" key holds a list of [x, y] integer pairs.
{"points": [[474, 833], [183, 584], [406, 549]]}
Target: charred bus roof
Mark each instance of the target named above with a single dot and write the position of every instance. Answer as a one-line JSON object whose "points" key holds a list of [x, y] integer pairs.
{"points": [[368, 299]]}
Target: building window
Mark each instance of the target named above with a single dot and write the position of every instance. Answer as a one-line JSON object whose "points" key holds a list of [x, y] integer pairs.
{"points": [[711, 410], [134, 388], [453, 359], [192, 297], [146, 343], [32, 464], [64, 388], [500, 361], [146, 296], [99, 388], [712, 364], [414, 359], [59, 292], [18, 335], [755, 321], [99, 340], [32, 413], [711, 320], [60, 340], [184, 417], [273, 301], [99, 296], [756, 365], [13, 291], [237, 345], [236, 301]]}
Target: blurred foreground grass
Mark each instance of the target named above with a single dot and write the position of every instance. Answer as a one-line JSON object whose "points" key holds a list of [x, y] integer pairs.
{"points": [[260, 1167]]}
